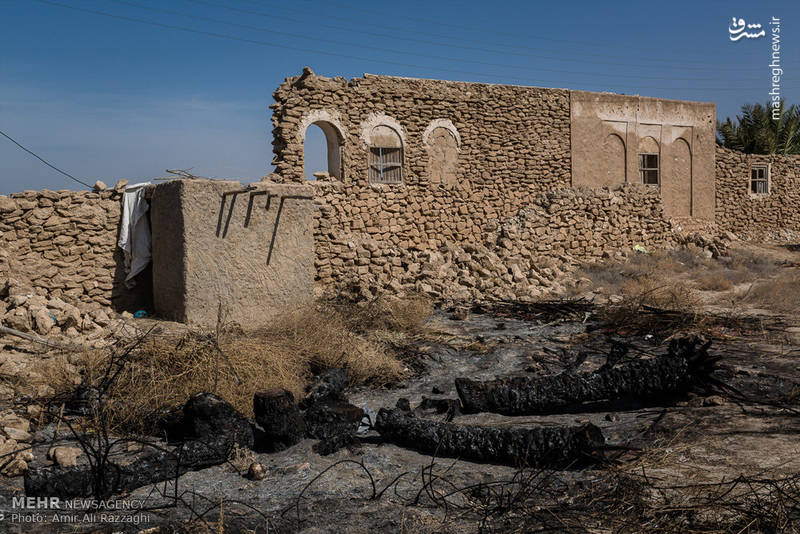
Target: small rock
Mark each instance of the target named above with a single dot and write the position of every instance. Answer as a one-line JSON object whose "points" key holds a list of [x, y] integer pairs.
{"points": [[17, 434], [256, 471], [64, 456], [16, 467], [72, 332], [100, 186], [615, 299], [121, 185], [8, 419], [101, 318], [714, 400], [43, 321]]}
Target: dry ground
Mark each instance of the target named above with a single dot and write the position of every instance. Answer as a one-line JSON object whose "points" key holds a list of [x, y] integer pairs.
{"points": [[721, 462]]}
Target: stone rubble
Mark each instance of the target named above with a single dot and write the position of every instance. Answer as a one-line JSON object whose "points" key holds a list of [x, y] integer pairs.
{"points": [[524, 257]]}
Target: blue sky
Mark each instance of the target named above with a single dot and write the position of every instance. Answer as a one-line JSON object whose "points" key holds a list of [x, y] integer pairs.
{"points": [[105, 97]]}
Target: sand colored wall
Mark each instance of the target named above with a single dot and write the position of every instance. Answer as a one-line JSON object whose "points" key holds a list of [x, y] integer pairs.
{"points": [[63, 244], [775, 216], [250, 252], [609, 131]]}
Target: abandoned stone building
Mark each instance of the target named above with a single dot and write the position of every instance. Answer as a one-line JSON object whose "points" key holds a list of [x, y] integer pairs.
{"points": [[452, 189]]}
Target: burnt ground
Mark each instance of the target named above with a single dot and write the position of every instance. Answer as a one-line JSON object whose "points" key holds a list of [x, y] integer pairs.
{"points": [[664, 461]]}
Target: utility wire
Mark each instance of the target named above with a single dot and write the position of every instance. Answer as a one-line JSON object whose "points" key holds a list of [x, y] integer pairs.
{"points": [[406, 52], [593, 46], [37, 156], [651, 63], [348, 56]]}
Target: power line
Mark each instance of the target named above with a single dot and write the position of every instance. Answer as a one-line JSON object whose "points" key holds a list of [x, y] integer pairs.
{"points": [[652, 63], [404, 52], [474, 28], [593, 46], [347, 56], [37, 156]]}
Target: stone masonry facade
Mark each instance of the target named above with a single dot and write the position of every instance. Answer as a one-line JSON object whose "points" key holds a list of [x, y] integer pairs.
{"points": [[517, 257], [772, 216], [474, 156], [450, 189], [61, 244]]}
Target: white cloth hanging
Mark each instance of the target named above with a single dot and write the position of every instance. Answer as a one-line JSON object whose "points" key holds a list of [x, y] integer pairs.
{"points": [[134, 230]]}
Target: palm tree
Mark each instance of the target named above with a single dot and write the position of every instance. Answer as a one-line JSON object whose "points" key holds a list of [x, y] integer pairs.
{"points": [[756, 132]]}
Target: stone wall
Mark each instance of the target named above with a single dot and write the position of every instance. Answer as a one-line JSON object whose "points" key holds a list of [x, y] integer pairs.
{"points": [[519, 257], [774, 216], [62, 244], [471, 153], [511, 142]]}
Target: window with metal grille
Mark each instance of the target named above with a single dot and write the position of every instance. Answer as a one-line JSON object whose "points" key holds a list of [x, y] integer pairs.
{"points": [[648, 169], [759, 180], [386, 165]]}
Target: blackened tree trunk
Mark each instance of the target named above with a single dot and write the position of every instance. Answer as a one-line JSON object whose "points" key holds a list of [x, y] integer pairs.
{"points": [[684, 367], [519, 447]]}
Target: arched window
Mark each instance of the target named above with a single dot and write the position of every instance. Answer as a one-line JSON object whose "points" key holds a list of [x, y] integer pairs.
{"points": [[385, 156], [308, 133], [612, 164], [443, 143], [320, 134]]}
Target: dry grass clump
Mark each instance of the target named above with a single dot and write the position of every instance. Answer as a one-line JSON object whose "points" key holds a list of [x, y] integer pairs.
{"points": [[657, 293], [781, 293], [715, 281], [162, 373]]}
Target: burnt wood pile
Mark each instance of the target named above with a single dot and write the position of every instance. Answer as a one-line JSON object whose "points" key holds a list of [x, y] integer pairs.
{"points": [[207, 430]]}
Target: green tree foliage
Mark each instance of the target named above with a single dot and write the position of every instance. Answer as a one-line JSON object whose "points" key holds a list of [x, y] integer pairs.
{"points": [[756, 132]]}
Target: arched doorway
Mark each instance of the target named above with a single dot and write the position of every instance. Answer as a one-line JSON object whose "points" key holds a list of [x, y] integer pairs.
{"points": [[322, 151]]}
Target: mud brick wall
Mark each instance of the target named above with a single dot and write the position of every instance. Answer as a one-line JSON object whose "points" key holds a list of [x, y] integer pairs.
{"points": [[774, 216], [518, 257], [61, 244], [513, 142]]}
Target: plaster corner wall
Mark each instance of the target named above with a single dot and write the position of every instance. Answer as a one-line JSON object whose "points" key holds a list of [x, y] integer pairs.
{"points": [[608, 131], [249, 252]]}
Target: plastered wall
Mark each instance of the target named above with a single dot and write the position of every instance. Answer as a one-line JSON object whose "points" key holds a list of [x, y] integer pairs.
{"points": [[223, 250], [609, 132]]}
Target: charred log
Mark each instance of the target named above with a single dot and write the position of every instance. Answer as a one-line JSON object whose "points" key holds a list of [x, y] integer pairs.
{"points": [[532, 447], [82, 480], [205, 414], [685, 367], [279, 416]]}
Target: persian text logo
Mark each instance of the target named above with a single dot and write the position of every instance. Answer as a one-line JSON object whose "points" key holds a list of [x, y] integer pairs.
{"points": [[737, 30]]}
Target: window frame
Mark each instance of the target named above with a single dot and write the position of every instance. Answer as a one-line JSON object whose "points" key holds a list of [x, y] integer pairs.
{"points": [[766, 180], [378, 167], [643, 169]]}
